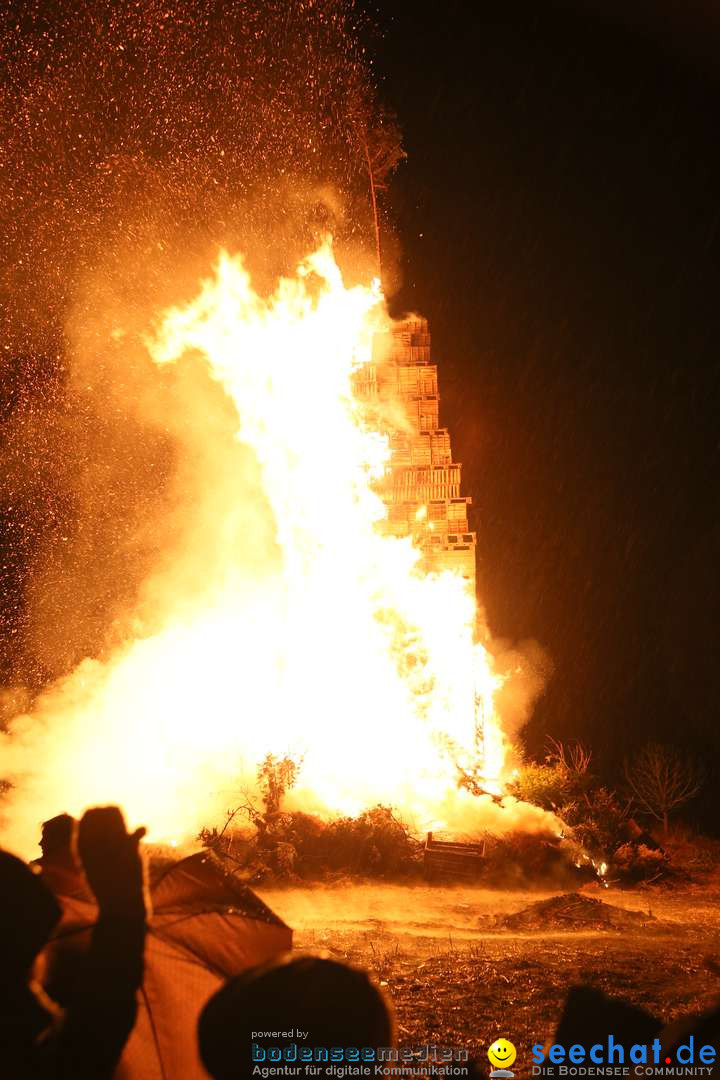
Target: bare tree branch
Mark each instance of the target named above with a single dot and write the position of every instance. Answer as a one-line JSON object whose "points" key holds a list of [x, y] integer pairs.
{"points": [[575, 757], [660, 780]]}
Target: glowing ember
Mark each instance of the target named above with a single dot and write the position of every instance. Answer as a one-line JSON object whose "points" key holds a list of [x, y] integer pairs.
{"points": [[289, 619]]}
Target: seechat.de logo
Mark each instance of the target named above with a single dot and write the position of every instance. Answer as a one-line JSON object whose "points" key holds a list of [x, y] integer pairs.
{"points": [[613, 1058]]}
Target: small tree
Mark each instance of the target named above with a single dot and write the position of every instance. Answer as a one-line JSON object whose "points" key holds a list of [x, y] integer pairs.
{"points": [[660, 780], [383, 150], [559, 782], [374, 130], [275, 778]]}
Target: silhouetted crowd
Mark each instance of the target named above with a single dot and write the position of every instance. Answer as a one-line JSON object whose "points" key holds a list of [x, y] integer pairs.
{"points": [[69, 1012]]}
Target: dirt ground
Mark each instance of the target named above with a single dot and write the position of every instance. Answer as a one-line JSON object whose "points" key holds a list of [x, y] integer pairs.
{"points": [[458, 977]]}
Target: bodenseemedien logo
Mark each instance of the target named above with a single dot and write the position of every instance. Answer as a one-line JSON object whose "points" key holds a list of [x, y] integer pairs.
{"points": [[501, 1056], [346, 1062]]}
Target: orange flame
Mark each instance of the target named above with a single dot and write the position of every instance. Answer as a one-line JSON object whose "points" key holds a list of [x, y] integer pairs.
{"points": [[307, 628]]}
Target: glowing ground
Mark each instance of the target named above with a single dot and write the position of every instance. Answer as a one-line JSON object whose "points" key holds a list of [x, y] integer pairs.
{"points": [[456, 980]]}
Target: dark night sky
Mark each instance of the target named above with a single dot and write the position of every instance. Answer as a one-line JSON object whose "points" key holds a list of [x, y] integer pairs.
{"points": [[559, 218]]}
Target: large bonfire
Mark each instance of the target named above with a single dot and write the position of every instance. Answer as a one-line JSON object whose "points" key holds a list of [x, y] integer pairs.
{"points": [[288, 619]]}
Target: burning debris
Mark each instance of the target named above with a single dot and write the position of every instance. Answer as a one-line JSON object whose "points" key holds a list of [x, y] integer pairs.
{"points": [[513, 861]]}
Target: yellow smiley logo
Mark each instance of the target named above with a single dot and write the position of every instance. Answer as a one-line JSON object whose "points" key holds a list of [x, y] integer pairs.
{"points": [[502, 1054]]}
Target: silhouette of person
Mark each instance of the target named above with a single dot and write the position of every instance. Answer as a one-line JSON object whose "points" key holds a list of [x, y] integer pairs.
{"points": [[335, 1004], [38, 1039], [58, 864]]}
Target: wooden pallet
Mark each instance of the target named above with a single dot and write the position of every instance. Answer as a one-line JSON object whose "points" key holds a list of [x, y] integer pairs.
{"points": [[445, 860]]}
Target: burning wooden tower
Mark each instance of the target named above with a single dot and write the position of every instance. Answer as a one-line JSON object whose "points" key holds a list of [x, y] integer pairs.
{"points": [[423, 488]]}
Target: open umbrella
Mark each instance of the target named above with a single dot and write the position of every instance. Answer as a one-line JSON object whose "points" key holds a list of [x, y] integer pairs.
{"points": [[206, 926]]}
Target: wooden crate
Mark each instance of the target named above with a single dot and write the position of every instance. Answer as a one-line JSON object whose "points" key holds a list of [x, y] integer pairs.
{"points": [[445, 860]]}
